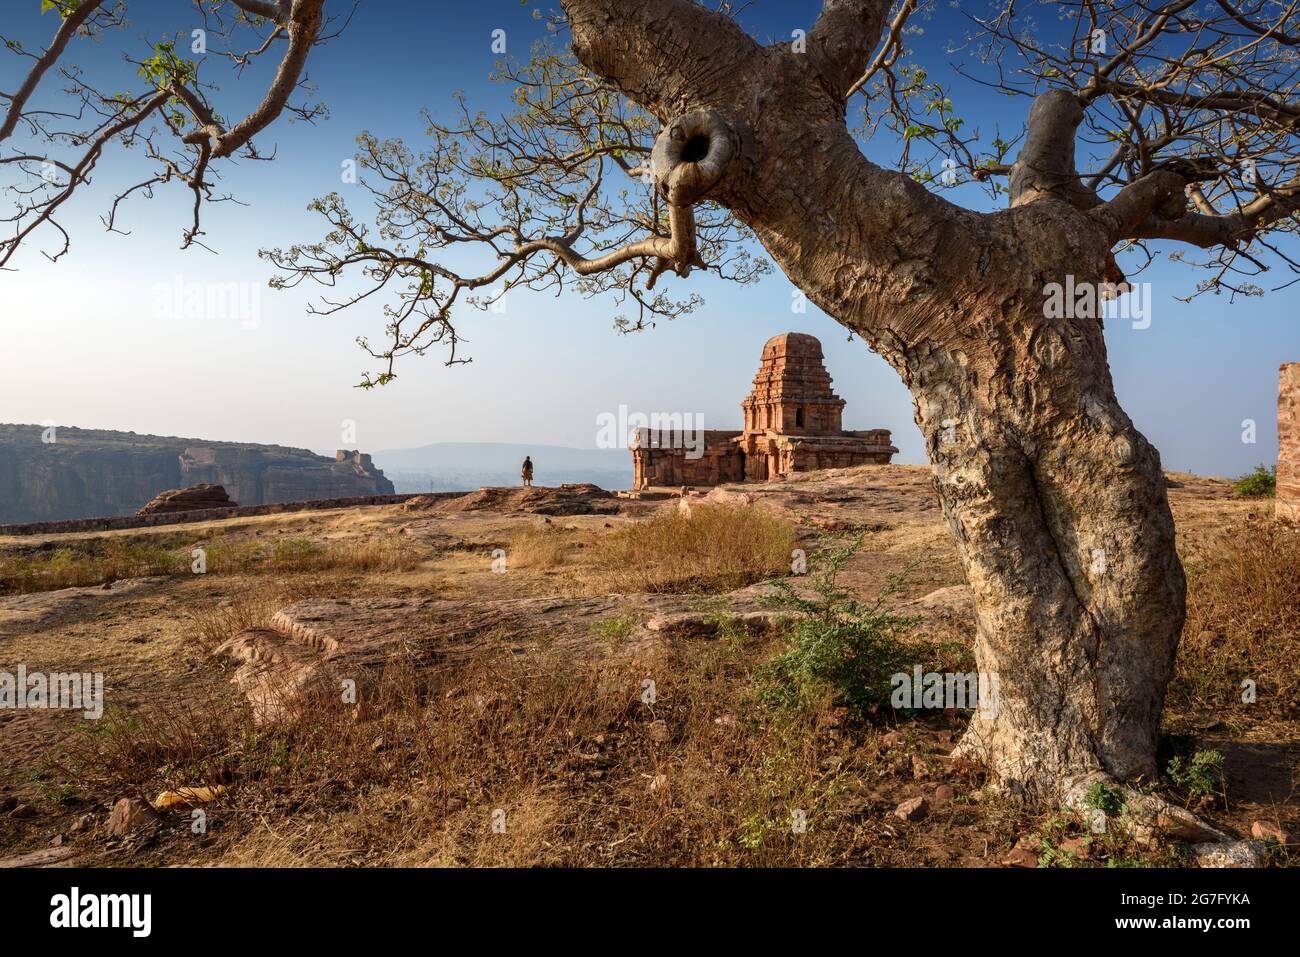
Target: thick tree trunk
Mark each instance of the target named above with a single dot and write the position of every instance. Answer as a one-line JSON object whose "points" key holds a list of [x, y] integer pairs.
{"points": [[1058, 509], [1056, 503]]}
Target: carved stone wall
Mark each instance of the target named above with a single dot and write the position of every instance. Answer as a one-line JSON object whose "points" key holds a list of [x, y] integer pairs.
{"points": [[1288, 440]]}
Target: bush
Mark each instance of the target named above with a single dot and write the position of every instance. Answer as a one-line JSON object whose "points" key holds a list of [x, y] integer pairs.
{"points": [[1199, 776], [538, 546], [715, 548], [838, 647], [1261, 483]]}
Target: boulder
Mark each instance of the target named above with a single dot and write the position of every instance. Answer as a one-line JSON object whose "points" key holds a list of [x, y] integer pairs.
{"points": [[197, 498], [1229, 854], [912, 810], [130, 815]]}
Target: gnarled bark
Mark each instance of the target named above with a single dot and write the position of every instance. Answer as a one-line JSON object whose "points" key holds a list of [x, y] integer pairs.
{"points": [[1056, 503]]}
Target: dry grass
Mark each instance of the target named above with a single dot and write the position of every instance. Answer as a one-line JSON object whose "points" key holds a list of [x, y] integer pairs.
{"points": [[90, 563], [256, 604], [96, 561], [541, 546], [718, 548], [584, 771], [1243, 621]]}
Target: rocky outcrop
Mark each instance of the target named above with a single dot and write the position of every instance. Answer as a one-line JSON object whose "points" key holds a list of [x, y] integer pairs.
{"points": [[196, 499], [577, 499], [55, 474]]}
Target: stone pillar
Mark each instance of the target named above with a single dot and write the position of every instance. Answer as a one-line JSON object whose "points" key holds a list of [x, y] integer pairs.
{"points": [[1288, 441]]}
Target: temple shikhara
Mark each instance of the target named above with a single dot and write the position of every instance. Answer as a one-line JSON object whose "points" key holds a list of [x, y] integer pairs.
{"points": [[792, 424]]}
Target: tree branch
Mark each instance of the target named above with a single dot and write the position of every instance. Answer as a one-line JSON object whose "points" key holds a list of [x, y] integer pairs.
{"points": [[842, 39], [65, 32]]}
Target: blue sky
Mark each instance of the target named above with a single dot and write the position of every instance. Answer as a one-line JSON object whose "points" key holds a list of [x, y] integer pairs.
{"points": [[83, 345]]}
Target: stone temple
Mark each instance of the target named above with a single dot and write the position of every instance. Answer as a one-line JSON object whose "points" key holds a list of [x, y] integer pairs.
{"points": [[1288, 440], [792, 424]]}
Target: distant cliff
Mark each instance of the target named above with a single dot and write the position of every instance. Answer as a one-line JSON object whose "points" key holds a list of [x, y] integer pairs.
{"points": [[92, 473]]}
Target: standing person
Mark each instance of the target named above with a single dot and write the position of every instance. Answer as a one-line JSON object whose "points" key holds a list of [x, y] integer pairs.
{"points": [[528, 470]]}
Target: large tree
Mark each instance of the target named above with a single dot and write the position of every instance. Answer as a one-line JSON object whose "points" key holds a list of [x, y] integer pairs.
{"points": [[1186, 111]]}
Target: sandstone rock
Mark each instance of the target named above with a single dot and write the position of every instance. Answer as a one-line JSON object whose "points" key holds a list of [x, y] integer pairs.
{"points": [[1181, 825], [658, 782], [197, 498], [130, 815], [42, 858], [1288, 435], [1268, 831], [313, 645], [1020, 857], [658, 731], [698, 623], [953, 604], [1229, 854], [581, 498], [1080, 847], [913, 809], [945, 794]]}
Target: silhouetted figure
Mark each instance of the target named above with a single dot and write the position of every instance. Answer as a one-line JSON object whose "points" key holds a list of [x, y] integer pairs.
{"points": [[528, 470]]}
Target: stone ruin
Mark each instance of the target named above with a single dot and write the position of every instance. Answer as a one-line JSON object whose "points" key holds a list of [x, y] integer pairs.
{"points": [[1288, 442], [792, 424]]}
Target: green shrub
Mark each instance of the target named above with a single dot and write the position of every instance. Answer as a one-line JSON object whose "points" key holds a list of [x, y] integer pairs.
{"points": [[838, 647], [1197, 777], [1261, 483], [1106, 798]]}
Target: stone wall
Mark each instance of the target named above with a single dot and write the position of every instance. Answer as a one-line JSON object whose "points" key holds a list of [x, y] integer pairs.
{"points": [[1288, 438], [211, 514], [661, 460]]}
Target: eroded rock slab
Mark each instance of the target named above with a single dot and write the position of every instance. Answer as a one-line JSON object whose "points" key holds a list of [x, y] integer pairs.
{"points": [[25, 612], [315, 645], [577, 499]]}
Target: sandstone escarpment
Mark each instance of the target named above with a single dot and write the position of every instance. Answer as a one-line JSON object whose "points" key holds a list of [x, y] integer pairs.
{"points": [[52, 474]]}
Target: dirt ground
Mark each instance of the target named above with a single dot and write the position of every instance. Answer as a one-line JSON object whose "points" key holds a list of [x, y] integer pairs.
{"points": [[145, 634]]}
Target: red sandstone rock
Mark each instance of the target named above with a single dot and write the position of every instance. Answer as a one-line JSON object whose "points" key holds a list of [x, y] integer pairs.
{"points": [[130, 814], [1288, 435], [912, 810], [194, 499]]}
